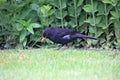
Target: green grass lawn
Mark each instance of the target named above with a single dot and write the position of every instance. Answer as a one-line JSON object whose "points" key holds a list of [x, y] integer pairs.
{"points": [[52, 64]]}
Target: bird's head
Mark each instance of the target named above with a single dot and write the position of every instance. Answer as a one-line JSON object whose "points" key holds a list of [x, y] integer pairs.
{"points": [[45, 34]]}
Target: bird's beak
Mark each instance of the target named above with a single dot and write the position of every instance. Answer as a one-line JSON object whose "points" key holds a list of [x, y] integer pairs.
{"points": [[43, 39]]}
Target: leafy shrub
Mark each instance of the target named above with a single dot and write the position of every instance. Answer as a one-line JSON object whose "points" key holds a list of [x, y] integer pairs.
{"points": [[22, 22]]}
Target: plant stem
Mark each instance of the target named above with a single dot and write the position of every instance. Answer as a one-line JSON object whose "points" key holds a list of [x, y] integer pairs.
{"points": [[117, 29], [47, 21], [61, 12], [93, 14], [14, 13], [106, 20], [106, 15], [75, 12]]}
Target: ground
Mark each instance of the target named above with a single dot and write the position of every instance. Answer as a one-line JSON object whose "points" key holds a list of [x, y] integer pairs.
{"points": [[52, 64]]}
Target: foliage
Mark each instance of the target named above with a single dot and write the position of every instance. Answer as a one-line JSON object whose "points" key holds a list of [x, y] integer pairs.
{"points": [[22, 22]]}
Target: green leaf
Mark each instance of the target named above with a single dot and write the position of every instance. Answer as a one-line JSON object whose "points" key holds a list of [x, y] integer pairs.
{"points": [[92, 29], [25, 42], [112, 2], [23, 35], [114, 14], [91, 21], [50, 12], [102, 25], [28, 22], [35, 25], [72, 22], [59, 16], [27, 25], [98, 19], [63, 3], [46, 10], [79, 3], [112, 18], [106, 1], [30, 29], [24, 23], [71, 11], [90, 8]]}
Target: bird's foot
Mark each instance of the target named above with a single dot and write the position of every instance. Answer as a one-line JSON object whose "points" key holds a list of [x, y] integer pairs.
{"points": [[62, 47]]}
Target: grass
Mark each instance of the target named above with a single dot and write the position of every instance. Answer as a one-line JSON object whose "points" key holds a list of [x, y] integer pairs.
{"points": [[51, 64]]}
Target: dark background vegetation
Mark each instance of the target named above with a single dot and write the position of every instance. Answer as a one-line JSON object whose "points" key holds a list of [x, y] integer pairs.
{"points": [[22, 21]]}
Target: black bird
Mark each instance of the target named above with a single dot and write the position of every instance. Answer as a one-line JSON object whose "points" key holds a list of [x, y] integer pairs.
{"points": [[63, 35]]}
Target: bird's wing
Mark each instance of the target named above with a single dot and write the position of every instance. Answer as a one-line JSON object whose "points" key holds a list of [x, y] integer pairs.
{"points": [[61, 32], [66, 37]]}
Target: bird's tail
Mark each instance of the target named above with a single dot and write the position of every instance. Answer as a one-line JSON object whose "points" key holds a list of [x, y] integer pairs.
{"points": [[79, 35]]}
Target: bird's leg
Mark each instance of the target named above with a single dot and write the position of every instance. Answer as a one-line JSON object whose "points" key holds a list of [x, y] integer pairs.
{"points": [[65, 46], [60, 46]]}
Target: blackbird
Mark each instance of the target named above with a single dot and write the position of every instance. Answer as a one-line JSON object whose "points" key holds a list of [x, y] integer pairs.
{"points": [[62, 35]]}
